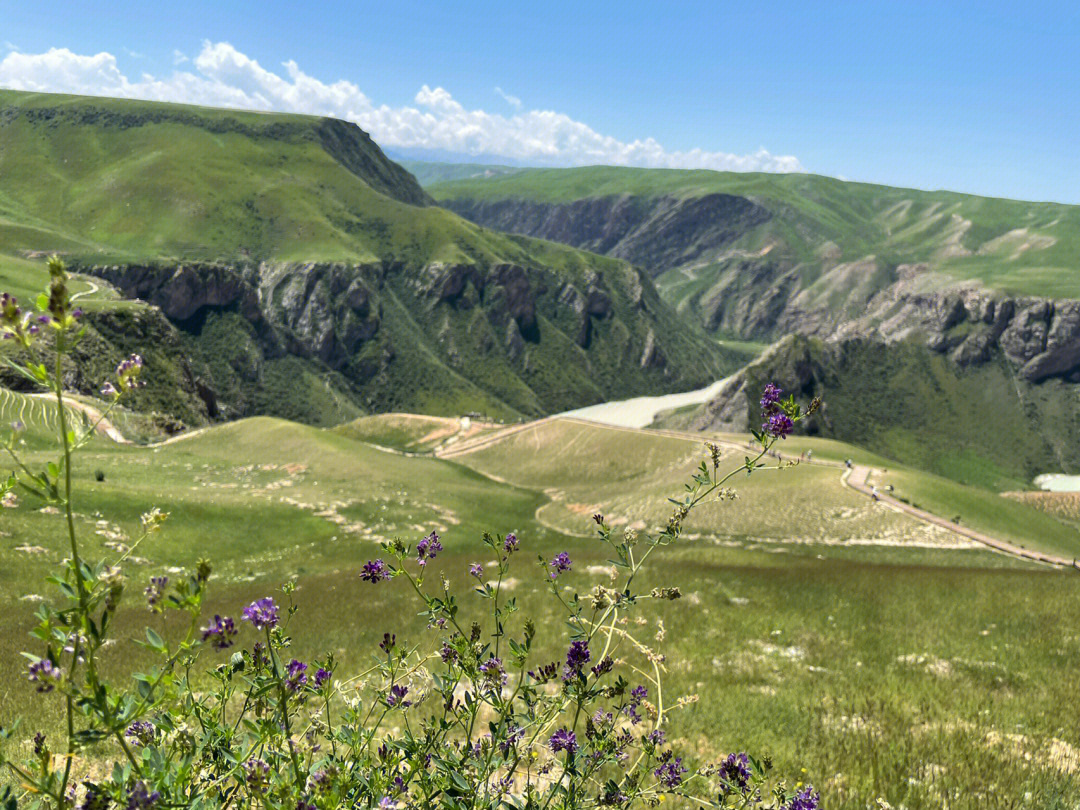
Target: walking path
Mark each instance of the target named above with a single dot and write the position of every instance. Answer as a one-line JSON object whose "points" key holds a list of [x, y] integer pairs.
{"points": [[855, 477], [93, 414]]}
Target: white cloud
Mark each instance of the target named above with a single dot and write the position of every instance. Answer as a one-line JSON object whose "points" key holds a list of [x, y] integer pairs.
{"points": [[223, 76], [513, 101], [179, 57], [10, 46]]}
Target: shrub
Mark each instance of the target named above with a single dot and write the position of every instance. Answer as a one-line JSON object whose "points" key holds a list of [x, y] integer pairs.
{"points": [[467, 719]]}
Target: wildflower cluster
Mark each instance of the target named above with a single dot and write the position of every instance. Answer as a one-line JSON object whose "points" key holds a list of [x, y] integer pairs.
{"points": [[465, 716]]}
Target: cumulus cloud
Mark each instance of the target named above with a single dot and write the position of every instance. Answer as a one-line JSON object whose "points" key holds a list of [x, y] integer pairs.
{"points": [[223, 76], [513, 101]]}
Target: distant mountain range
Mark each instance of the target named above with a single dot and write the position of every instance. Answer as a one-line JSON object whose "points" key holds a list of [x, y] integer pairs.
{"points": [[297, 271]]}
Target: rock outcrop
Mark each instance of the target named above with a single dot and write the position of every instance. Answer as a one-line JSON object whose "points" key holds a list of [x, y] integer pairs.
{"points": [[657, 233], [387, 325]]}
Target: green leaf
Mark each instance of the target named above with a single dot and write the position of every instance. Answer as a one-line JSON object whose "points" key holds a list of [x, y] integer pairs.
{"points": [[155, 641]]}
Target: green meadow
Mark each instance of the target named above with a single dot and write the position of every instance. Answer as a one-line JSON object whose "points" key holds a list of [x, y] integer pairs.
{"points": [[888, 659]]}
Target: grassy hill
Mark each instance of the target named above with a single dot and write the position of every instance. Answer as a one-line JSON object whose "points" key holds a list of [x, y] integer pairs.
{"points": [[910, 646], [310, 277], [428, 173], [1019, 247], [980, 425]]}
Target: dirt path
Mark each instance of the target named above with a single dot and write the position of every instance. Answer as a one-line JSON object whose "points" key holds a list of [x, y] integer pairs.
{"points": [[856, 478], [94, 287], [104, 426]]}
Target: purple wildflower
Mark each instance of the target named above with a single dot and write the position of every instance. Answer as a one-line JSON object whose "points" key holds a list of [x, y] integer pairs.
{"points": [[427, 548], [770, 397], [670, 773], [656, 736], [220, 632], [477, 570], [735, 770], [139, 798], [493, 671], [262, 613], [563, 740], [257, 775], [108, 390], [397, 697], [386, 803], [295, 675], [578, 655], [45, 674], [510, 544], [374, 571], [559, 564], [807, 800], [322, 677], [141, 732], [514, 735], [778, 425], [94, 798], [155, 590], [127, 372], [448, 654], [544, 673], [605, 665], [612, 796], [639, 693], [389, 641]]}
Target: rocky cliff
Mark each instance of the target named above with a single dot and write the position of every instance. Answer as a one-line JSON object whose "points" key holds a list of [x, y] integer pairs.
{"points": [[502, 336], [656, 233], [689, 242]]}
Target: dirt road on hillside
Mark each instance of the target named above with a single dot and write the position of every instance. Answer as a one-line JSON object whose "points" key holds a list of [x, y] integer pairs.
{"points": [[856, 478]]}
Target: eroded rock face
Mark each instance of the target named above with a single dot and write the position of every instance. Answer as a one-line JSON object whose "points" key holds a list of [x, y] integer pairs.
{"points": [[354, 322], [183, 290], [656, 233]]}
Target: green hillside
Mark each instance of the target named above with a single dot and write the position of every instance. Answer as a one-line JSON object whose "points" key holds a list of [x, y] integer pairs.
{"points": [[429, 173], [980, 426], [1018, 247], [310, 277]]}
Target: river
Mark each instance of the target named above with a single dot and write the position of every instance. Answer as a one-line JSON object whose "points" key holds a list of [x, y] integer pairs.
{"points": [[640, 412]]}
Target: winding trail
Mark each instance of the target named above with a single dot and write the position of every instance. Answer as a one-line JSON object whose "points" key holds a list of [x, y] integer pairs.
{"points": [[856, 478], [94, 287], [104, 426]]}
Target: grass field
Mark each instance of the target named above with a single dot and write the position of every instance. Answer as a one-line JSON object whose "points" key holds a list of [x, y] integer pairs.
{"points": [[887, 660]]}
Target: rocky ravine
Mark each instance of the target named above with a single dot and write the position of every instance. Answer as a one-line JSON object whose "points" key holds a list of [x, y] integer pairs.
{"points": [[502, 329], [657, 233], [762, 295]]}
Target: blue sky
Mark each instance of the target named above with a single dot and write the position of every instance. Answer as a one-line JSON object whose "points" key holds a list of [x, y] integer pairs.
{"points": [[974, 97]]}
